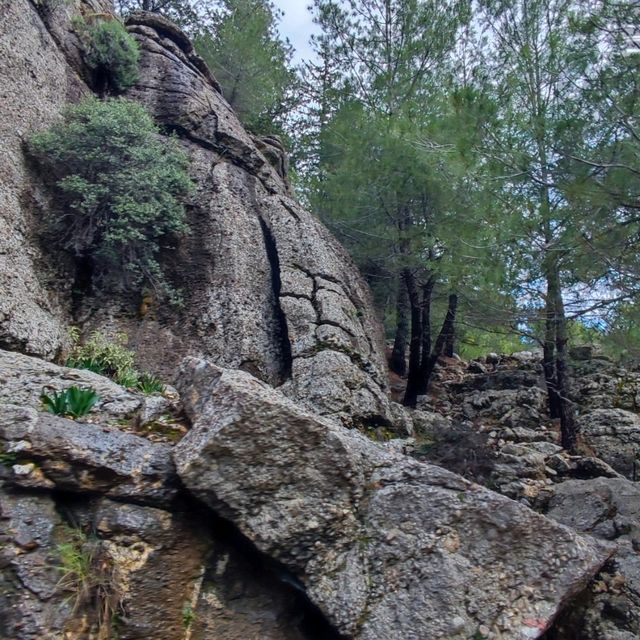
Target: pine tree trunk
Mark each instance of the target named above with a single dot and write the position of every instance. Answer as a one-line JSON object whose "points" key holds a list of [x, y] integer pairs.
{"points": [[548, 358], [415, 344], [555, 361], [449, 347], [398, 360], [568, 428], [447, 333], [427, 294]]}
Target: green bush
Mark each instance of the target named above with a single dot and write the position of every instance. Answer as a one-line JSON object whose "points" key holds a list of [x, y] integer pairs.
{"points": [[109, 357], [120, 187], [112, 54], [74, 401], [101, 354]]}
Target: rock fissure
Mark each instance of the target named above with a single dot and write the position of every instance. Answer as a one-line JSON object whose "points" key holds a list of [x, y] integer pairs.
{"points": [[276, 285]]}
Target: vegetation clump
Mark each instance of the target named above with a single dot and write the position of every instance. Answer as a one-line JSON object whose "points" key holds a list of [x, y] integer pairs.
{"points": [[91, 579], [108, 356], [120, 188], [74, 401], [112, 54], [100, 354]]}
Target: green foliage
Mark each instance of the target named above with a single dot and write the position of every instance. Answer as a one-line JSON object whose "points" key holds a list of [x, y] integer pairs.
{"points": [[90, 577], [128, 378], [75, 561], [109, 356], [119, 187], [102, 354], [112, 54], [188, 615], [55, 403], [251, 62], [8, 458], [149, 384], [183, 12], [74, 401]]}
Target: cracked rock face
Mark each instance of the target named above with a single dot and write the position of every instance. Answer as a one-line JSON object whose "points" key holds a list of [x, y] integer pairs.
{"points": [[267, 288], [614, 436], [55, 453], [371, 533]]}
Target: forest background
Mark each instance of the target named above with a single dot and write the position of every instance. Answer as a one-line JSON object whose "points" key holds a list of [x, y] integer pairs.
{"points": [[478, 158]]}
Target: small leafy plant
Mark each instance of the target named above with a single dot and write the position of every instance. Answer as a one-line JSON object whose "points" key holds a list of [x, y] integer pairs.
{"points": [[149, 384], [90, 577], [101, 354], [110, 357], [128, 378], [8, 458], [188, 615], [74, 401]]}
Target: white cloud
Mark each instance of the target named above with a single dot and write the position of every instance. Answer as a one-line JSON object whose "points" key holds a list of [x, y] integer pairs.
{"points": [[297, 25]]}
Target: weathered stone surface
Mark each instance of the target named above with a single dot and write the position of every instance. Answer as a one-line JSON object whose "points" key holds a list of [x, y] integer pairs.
{"points": [[248, 235], [614, 436], [53, 452], [370, 533], [159, 559], [23, 379], [37, 83], [607, 508], [31, 608], [267, 288]]}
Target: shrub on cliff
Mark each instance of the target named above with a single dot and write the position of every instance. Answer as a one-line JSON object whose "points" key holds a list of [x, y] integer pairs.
{"points": [[112, 54], [120, 187]]}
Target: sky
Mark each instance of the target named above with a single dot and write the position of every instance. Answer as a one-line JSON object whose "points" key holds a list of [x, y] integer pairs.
{"points": [[297, 26]]}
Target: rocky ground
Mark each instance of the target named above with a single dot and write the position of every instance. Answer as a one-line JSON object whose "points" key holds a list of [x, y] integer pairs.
{"points": [[258, 519], [487, 420]]}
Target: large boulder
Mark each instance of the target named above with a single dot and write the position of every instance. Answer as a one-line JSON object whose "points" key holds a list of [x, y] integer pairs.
{"points": [[386, 546], [614, 436], [266, 288], [608, 508], [50, 452]]}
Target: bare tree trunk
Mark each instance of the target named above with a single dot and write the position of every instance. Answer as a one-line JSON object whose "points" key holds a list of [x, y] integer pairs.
{"points": [[568, 428], [556, 371], [449, 347], [446, 334], [548, 358], [398, 359], [415, 344], [427, 294]]}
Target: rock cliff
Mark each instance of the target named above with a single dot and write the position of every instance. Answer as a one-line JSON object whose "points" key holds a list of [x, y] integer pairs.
{"points": [[267, 289], [250, 503]]}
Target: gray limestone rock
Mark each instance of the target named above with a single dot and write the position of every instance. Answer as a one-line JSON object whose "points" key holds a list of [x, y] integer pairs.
{"points": [[37, 83], [607, 508], [267, 288], [50, 452], [31, 606], [23, 379], [384, 545], [614, 436]]}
